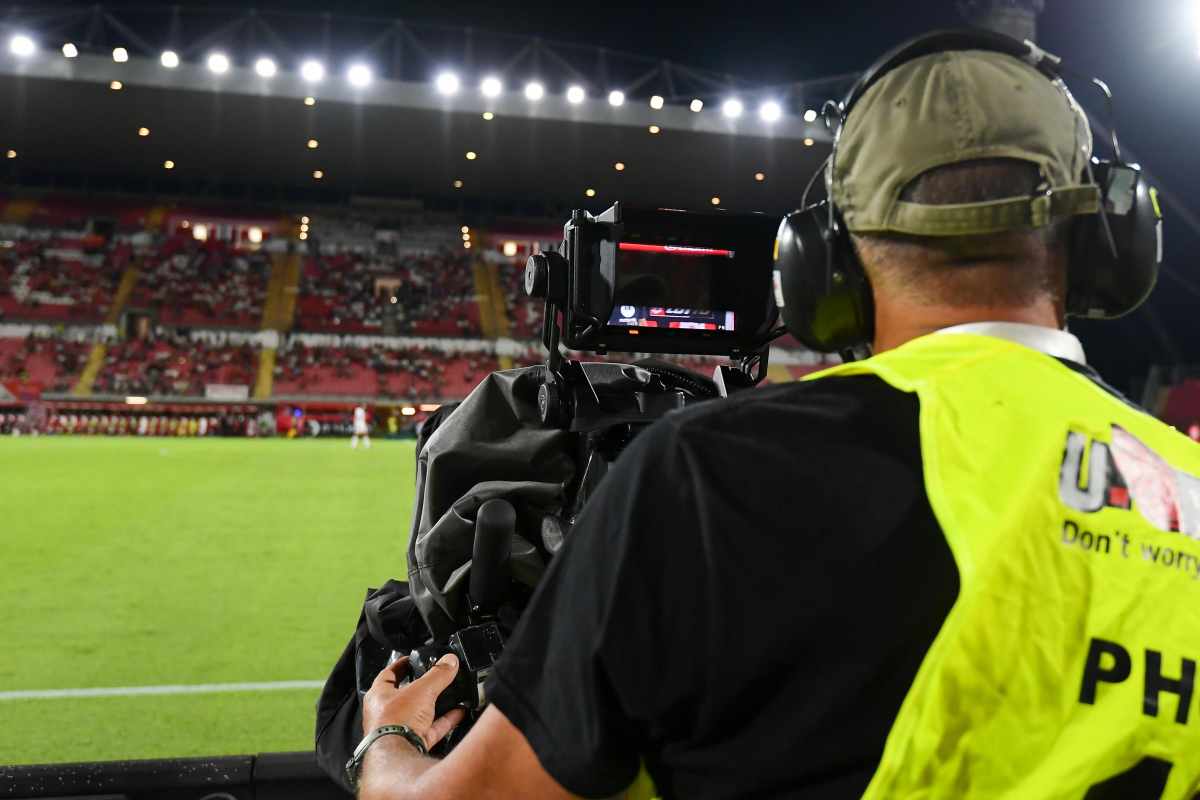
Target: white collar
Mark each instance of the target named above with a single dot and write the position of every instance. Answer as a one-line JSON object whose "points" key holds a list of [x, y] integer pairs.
{"points": [[1050, 341]]}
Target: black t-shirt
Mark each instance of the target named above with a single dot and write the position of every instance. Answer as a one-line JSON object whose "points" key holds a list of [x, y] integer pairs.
{"points": [[743, 604]]}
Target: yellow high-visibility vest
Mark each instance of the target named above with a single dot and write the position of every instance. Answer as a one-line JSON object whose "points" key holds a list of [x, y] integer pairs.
{"points": [[1069, 658]]}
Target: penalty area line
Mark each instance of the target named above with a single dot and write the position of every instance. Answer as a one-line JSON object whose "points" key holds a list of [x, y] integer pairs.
{"points": [[136, 691]]}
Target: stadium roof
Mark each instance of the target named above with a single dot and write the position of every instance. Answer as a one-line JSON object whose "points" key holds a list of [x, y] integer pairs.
{"points": [[394, 127]]}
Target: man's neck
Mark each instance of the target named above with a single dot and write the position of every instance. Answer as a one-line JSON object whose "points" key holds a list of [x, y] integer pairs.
{"points": [[897, 324]]}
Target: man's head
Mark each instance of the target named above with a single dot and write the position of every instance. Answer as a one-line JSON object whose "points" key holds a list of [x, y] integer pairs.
{"points": [[957, 175]]}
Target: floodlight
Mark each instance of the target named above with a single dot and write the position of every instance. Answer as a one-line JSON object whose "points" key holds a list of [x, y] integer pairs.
{"points": [[808, 142], [318, 174], [200, 233], [255, 235], [696, 105], [716, 201], [11, 154], [466, 229], [471, 155], [310, 101], [143, 131], [265, 67], [590, 192], [120, 55], [458, 184], [810, 115], [169, 59], [491, 86], [619, 166], [359, 75], [576, 95], [732, 108], [760, 177], [218, 63], [313, 144], [446, 83], [69, 50], [488, 116], [770, 111], [510, 249], [616, 98], [656, 102], [304, 220], [312, 71], [654, 129], [168, 164], [116, 86], [21, 46], [534, 91]]}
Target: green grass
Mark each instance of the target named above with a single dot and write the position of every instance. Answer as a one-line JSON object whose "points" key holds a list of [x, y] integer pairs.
{"points": [[141, 562]]}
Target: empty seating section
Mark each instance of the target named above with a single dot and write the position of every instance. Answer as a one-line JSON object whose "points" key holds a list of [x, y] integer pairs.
{"points": [[422, 294], [167, 366], [53, 364], [379, 371], [198, 284]]}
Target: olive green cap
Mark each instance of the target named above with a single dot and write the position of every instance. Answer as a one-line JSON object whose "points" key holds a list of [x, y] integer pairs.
{"points": [[951, 107]]}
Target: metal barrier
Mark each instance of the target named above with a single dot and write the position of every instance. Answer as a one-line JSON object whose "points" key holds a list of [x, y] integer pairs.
{"points": [[267, 776]]}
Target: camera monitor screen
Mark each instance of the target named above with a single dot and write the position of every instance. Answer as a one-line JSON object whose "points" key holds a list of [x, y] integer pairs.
{"points": [[670, 286]]}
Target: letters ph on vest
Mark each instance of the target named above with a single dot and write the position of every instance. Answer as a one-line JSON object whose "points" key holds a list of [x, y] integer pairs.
{"points": [[1109, 662]]}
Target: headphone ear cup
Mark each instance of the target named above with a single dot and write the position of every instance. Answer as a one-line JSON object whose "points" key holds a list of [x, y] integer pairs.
{"points": [[821, 289], [1110, 278]]}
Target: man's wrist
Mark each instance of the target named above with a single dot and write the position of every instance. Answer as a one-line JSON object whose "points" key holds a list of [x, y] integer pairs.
{"points": [[354, 765]]}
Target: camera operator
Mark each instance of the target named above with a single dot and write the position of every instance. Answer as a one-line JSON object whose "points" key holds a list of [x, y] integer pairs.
{"points": [[923, 574]]}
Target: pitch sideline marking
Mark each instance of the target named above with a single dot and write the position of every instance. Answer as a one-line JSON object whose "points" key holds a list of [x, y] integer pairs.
{"points": [[134, 691]]}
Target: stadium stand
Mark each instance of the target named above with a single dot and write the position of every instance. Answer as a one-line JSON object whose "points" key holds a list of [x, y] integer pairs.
{"points": [[58, 275], [379, 371], [202, 283], [172, 365], [48, 362], [424, 294]]}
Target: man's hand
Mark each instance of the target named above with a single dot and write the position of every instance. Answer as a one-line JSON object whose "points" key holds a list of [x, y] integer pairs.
{"points": [[390, 703]]}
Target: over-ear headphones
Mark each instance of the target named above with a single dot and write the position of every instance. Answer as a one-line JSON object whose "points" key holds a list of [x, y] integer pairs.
{"points": [[823, 292]]}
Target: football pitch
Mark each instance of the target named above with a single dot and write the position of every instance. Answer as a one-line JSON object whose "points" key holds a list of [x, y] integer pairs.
{"points": [[180, 564]]}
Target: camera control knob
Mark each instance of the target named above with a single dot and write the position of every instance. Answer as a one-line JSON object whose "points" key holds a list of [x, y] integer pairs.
{"points": [[549, 405], [537, 275]]}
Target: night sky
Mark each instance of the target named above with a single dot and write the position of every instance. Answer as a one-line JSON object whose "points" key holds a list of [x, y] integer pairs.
{"points": [[1147, 50]]}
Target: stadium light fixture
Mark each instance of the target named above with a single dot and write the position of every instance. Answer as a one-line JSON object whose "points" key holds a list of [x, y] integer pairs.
{"points": [[488, 116], [732, 108], [143, 131], [313, 144], [200, 232], [472, 155], [168, 164], [304, 227], [491, 86], [310, 101], [760, 177], [11, 154], [318, 174], [185, 224], [447, 83], [466, 237], [576, 95], [810, 115], [715, 200], [696, 105], [120, 55], [69, 50], [510, 249], [395, 299], [304, 220], [458, 184], [266, 67], [218, 63], [466, 245], [616, 98], [22, 46], [590, 192], [302, 236], [255, 235], [116, 86], [169, 59], [809, 142], [359, 76], [656, 102], [312, 71], [770, 111], [654, 129], [534, 91], [465, 229], [619, 166]]}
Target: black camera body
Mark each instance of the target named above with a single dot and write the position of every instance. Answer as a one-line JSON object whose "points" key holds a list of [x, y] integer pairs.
{"points": [[477, 648]]}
